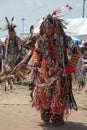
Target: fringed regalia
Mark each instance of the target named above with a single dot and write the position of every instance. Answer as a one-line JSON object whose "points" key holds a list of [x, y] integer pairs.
{"points": [[12, 50], [51, 72], [12, 43]]}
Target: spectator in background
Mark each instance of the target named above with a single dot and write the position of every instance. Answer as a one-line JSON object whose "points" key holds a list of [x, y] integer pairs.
{"points": [[2, 55], [79, 70]]}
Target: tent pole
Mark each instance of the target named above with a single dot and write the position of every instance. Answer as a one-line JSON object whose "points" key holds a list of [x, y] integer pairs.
{"points": [[83, 8]]}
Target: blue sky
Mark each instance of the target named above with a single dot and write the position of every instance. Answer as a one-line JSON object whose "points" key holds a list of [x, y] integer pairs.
{"points": [[33, 10]]}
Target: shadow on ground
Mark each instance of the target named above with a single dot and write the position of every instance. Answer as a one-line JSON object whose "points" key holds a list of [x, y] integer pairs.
{"points": [[67, 126]]}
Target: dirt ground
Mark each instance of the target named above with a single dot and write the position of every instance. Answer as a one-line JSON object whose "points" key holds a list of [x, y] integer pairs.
{"points": [[16, 112]]}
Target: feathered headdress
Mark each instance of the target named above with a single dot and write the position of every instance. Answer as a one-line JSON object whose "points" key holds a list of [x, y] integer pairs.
{"points": [[59, 10]]}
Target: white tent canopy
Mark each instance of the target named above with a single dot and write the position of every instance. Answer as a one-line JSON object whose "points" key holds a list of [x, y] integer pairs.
{"points": [[37, 26], [76, 27]]}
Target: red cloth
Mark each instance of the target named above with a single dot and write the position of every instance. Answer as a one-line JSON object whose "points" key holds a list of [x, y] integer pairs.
{"points": [[69, 69], [52, 50]]}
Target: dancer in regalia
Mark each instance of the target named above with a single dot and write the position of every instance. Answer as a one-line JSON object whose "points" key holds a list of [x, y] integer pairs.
{"points": [[51, 76]]}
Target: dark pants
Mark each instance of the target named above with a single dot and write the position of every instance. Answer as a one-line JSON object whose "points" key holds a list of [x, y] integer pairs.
{"points": [[0, 64]]}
